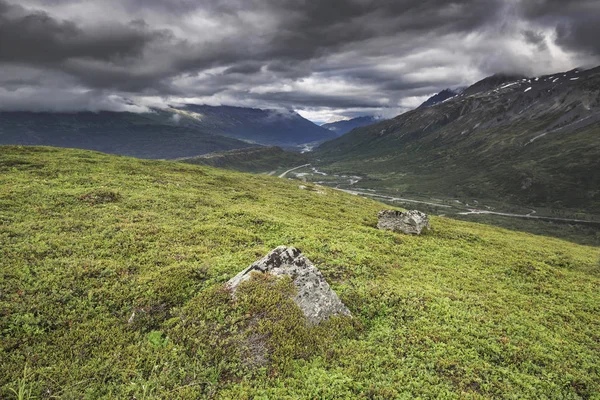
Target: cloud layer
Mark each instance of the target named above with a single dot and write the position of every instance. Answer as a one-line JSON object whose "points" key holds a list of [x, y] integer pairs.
{"points": [[326, 59]]}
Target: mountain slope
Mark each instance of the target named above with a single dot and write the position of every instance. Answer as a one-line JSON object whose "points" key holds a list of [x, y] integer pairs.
{"points": [[169, 133], [266, 127], [112, 287], [343, 127], [532, 141], [441, 97], [151, 135]]}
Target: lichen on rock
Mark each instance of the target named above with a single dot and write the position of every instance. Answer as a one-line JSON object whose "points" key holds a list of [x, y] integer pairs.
{"points": [[409, 222], [314, 296]]}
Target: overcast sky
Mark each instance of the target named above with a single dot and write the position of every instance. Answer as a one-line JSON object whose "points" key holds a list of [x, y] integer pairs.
{"points": [[326, 59]]}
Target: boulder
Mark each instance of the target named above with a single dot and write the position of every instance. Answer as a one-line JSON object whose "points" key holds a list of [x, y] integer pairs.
{"points": [[315, 298], [410, 222]]}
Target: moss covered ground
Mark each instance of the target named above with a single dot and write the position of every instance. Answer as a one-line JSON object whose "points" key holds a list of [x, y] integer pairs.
{"points": [[111, 286]]}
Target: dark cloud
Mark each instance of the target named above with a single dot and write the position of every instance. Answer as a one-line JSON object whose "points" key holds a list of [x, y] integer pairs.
{"points": [[338, 56], [581, 33], [319, 100], [35, 37], [534, 37], [575, 21], [244, 68]]}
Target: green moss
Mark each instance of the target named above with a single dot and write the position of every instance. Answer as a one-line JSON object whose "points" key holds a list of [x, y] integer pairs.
{"points": [[255, 159], [260, 331], [465, 310]]}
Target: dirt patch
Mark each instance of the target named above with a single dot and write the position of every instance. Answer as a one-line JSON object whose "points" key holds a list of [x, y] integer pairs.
{"points": [[100, 197]]}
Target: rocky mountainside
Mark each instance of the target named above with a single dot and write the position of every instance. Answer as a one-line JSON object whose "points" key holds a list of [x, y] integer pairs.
{"points": [[169, 133], [527, 140], [343, 127], [441, 97]]}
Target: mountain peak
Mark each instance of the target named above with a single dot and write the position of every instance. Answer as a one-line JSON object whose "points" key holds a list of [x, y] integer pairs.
{"points": [[491, 82], [441, 97]]}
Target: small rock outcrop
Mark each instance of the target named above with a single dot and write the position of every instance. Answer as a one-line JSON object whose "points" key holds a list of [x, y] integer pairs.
{"points": [[410, 222], [315, 298]]}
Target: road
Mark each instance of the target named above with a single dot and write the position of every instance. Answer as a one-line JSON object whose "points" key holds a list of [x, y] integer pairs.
{"points": [[293, 169], [473, 211], [390, 198]]}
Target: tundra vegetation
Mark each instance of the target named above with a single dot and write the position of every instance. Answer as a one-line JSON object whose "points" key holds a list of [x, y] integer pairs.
{"points": [[112, 274]]}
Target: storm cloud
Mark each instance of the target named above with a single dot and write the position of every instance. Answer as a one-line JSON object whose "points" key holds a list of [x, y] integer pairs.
{"points": [[325, 59]]}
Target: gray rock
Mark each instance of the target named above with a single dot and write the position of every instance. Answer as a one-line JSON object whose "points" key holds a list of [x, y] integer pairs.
{"points": [[315, 298], [410, 222]]}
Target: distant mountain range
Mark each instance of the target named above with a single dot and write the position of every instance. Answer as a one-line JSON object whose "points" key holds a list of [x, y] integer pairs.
{"points": [[526, 140], [264, 127], [342, 127], [164, 133], [150, 135]]}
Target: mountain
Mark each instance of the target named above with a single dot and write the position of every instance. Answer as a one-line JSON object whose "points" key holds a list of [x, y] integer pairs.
{"points": [[255, 159], [532, 141], [265, 127], [149, 135], [492, 82], [441, 97], [113, 273], [343, 127], [164, 133]]}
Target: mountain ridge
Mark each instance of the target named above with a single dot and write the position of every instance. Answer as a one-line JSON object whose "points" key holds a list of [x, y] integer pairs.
{"points": [[441, 97], [163, 133], [146, 135], [345, 126], [261, 126]]}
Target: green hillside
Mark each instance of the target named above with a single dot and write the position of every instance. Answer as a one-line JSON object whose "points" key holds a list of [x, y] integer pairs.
{"points": [[254, 160], [112, 273]]}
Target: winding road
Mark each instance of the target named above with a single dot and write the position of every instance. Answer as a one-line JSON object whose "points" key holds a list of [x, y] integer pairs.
{"points": [[471, 211], [293, 169], [474, 211]]}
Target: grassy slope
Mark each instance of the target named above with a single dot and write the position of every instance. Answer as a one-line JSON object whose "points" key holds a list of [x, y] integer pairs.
{"points": [[87, 238]]}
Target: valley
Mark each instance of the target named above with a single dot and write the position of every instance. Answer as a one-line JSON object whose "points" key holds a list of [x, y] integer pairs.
{"points": [[568, 224], [271, 160], [498, 139], [507, 150]]}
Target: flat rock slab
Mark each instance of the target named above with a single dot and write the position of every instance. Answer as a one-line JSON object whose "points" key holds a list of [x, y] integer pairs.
{"points": [[410, 222], [315, 298]]}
